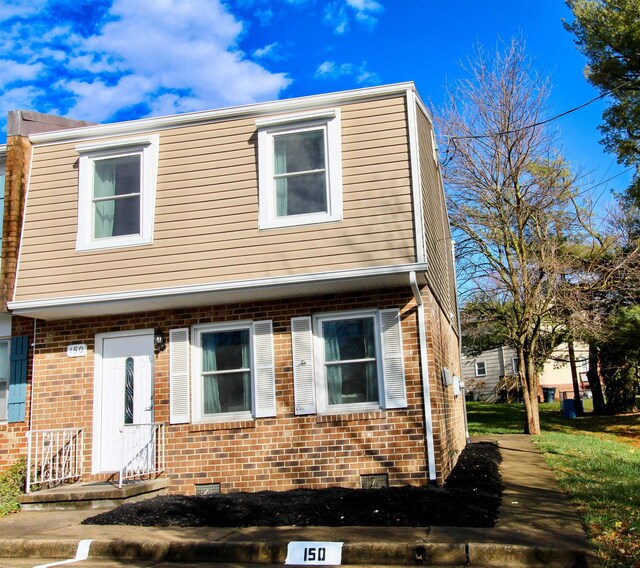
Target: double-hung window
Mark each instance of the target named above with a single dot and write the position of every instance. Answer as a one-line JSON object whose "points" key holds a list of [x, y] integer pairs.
{"points": [[348, 362], [481, 369], [117, 182], [233, 371], [300, 172]]}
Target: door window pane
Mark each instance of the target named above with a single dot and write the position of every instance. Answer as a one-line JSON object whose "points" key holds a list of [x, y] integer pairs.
{"points": [[226, 371], [128, 391]]}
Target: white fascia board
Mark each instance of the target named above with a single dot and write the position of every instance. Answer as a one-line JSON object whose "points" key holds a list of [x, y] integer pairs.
{"points": [[243, 111], [3, 150], [416, 178], [256, 284]]}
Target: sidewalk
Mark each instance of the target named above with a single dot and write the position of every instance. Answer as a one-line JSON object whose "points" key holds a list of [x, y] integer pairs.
{"points": [[537, 527]]}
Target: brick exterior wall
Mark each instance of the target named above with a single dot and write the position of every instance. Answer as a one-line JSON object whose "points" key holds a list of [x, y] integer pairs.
{"points": [[13, 441], [449, 426], [278, 453], [17, 172]]}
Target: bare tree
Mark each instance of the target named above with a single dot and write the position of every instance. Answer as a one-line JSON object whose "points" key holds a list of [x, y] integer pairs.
{"points": [[512, 201]]}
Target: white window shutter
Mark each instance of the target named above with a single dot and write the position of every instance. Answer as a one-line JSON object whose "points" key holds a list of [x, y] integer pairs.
{"points": [[179, 376], [395, 392], [304, 391], [264, 374]]}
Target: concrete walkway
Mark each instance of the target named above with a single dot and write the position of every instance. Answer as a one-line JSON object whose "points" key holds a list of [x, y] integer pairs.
{"points": [[537, 527]]}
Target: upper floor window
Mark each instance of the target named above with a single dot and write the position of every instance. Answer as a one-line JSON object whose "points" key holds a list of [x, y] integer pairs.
{"points": [[300, 170], [481, 369], [117, 193]]}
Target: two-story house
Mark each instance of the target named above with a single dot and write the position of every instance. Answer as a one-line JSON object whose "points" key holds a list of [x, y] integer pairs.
{"points": [[256, 297], [15, 388]]}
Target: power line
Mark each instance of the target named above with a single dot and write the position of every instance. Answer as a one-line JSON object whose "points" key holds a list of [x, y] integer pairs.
{"points": [[556, 117]]}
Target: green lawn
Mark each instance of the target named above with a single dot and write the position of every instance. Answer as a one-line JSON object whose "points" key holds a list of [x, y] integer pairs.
{"points": [[596, 461]]}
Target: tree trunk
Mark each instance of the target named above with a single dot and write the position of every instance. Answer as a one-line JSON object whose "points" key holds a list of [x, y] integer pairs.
{"points": [[574, 377], [593, 376], [529, 378]]}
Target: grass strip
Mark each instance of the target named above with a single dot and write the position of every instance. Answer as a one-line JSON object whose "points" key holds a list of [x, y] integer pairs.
{"points": [[596, 460]]}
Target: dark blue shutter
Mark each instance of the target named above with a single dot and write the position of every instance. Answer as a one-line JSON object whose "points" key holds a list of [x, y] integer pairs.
{"points": [[18, 378]]}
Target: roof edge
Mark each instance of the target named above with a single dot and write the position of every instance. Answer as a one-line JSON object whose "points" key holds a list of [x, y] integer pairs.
{"points": [[253, 109]]}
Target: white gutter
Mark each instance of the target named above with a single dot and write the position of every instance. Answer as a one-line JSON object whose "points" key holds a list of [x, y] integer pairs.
{"points": [[18, 306], [242, 111], [424, 364]]}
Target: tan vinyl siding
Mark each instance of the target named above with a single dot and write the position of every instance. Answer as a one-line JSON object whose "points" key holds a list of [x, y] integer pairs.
{"points": [[206, 214], [440, 274]]}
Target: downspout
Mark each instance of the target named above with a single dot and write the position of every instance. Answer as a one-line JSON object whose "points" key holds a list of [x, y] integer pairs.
{"points": [[424, 364], [464, 388], [33, 364]]}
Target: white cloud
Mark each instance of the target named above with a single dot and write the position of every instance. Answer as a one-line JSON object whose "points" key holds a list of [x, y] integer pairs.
{"points": [[271, 51], [182, 46], [20, 8], [338, 14], [359, 73], [11, 72], [166, 56]]}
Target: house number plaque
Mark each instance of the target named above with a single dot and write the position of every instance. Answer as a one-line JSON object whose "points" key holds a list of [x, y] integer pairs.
{"points": [[314, 553], [77, 350]]}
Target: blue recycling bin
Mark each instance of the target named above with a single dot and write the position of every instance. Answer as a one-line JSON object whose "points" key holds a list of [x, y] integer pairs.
{"points": [[569, 408], [549, 394]]}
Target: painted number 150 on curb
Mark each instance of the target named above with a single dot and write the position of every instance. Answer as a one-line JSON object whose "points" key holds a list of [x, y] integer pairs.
{"points": [[314, 553]]}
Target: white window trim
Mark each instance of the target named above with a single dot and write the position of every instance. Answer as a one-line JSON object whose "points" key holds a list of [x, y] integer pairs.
{"points": [[329, 120], [478, 374], [323, 406], [147, 149], [198, 417]]}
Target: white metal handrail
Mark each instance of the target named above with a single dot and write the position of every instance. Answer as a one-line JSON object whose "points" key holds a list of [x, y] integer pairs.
{"points": [[142, 451], [54, 456]]}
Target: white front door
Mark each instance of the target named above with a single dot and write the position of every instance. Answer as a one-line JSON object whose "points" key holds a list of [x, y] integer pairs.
{"points": [[124, 389]]}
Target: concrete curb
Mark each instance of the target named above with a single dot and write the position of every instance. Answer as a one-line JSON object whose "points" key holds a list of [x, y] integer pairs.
{"points": [[357, 553]]}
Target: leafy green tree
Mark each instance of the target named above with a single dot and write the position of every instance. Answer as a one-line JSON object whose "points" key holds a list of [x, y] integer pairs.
{"points": [[608, 33]]}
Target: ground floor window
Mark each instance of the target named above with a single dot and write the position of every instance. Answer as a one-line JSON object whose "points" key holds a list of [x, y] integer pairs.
{"points": [[348, 362], [226, 371], [349, 372]]}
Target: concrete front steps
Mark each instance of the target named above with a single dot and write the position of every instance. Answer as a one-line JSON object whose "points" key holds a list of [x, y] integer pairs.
{"points": [[92, 495]]}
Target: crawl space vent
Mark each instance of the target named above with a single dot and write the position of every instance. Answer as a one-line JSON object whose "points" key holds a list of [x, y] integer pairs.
{"points": [[374, 481], [207, 488]]}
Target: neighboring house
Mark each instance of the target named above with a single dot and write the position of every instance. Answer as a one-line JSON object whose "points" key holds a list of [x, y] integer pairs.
{"points": [[15, 365], [482, 374], [257, 297]]}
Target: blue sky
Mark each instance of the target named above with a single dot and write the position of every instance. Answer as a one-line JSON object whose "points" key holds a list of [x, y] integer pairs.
{"points": [[112, 60]]}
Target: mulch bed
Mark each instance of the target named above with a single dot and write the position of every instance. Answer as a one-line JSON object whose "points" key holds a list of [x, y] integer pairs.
{"points": [[470, 498]]}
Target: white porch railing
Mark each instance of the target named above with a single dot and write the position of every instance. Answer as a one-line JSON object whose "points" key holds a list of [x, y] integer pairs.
{"points": [[142, 451], [54, 456]]}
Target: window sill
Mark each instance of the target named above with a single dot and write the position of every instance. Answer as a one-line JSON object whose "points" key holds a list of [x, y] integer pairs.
{"points": [[350, 417], [299, 221], [211, 426], [112, 243]]}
